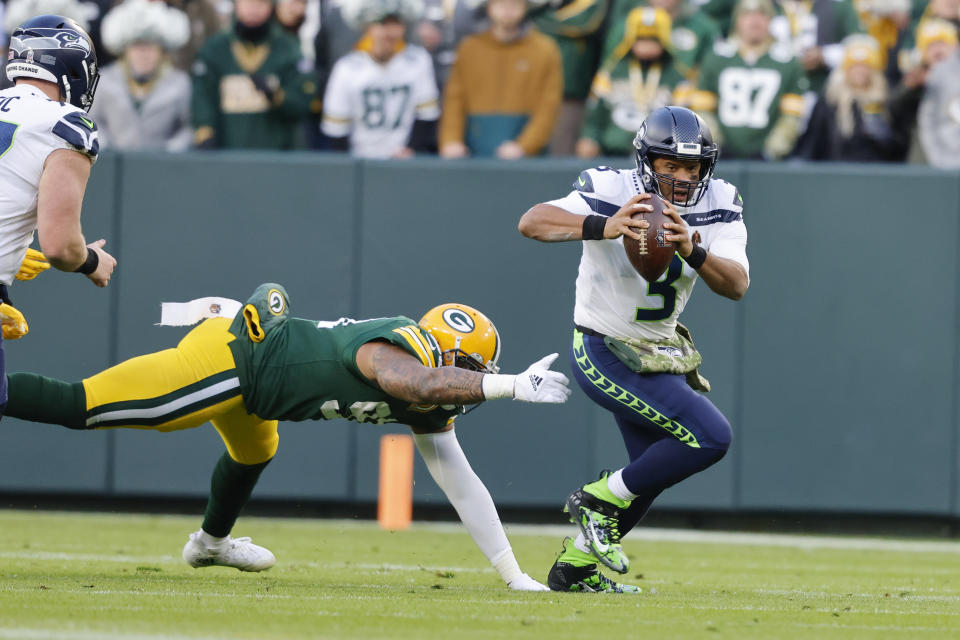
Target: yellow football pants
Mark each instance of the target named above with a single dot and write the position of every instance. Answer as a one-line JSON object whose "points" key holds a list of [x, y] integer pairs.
{"points": [[183, 388]]}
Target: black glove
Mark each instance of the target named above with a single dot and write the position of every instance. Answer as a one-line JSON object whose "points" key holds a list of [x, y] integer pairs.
{"points": [[265, 85]]}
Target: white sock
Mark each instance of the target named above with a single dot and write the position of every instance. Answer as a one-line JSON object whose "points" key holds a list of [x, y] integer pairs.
{"points": [[581, 543], [617, 488], [506, 565], [466, 492], [211, 542]]}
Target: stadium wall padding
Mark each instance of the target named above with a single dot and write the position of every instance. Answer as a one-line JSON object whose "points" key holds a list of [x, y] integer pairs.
{"points": [[839, 371]]}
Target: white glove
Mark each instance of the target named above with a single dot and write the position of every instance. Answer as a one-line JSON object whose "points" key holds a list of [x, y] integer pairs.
{"points": [[536, 384], [526, 583]]}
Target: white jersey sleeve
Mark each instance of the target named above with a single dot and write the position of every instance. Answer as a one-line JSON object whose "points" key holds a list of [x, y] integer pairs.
{"points": [[426, 96], [338, 107], [592, 191], [725, 234]]}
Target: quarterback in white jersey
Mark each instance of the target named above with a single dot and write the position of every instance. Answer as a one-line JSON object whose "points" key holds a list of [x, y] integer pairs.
{"points": [[629, 306], [381, 100], [48, 145], [630, 355]]}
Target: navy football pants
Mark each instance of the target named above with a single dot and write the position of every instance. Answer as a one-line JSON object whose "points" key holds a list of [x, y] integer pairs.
{"points": [[671, 432]]}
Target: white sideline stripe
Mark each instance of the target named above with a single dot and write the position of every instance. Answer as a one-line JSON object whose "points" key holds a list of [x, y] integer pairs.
{"points": [[755, 539], [144, 560], [652, 534], [173, 405], [87, 557], [59, 634]]}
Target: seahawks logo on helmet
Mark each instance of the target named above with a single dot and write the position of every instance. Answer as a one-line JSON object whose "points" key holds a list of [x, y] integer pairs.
{"points": [[459, 320], [54, 40]]}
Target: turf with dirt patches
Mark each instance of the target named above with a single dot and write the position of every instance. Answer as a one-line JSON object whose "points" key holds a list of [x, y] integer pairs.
{"points": [[120, 577]]}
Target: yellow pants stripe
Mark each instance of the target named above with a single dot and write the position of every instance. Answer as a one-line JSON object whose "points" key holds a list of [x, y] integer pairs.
{"points": [[183, 388]]}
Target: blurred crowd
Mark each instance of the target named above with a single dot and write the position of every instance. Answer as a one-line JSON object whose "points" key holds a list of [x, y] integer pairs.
{"points": [[842, 80]]}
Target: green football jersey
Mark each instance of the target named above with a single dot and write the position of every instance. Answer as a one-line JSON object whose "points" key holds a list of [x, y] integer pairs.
{"points": [[621, 100], [307, 370], [749, 97]]}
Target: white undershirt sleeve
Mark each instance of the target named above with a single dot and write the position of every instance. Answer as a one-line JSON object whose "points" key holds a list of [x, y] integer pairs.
{"points": [[452, 472]]}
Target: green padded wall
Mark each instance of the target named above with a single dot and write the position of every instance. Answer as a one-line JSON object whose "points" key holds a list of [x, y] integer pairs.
{"points": [[838, 371]]}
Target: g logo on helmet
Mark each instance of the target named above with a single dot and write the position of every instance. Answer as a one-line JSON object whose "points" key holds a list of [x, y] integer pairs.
{"points": [[276, 302], [459, 320]]}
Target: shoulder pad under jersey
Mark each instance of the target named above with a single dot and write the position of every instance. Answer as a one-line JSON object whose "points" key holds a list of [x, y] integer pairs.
{"points": [[79, 130], [597, 180]]}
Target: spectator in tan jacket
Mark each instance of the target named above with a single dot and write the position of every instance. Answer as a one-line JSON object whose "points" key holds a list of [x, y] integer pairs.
{"points": [[504, 91]]}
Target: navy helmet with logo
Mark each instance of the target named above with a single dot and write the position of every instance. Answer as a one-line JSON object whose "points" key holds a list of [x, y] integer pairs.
{"points": [[675, 132], [58, 50]]}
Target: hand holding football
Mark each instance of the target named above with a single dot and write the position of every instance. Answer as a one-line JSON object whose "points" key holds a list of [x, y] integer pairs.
{"points": [[651, 255]]}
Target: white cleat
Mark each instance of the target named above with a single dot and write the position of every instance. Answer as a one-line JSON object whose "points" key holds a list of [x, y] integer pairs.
{"points": [[240, 553], [526, 583]]}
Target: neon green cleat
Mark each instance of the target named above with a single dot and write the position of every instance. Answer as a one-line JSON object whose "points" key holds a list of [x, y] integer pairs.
{"points": [[599, 520], [588, 579]]}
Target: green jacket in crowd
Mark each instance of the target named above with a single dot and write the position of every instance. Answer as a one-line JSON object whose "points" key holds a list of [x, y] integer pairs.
{"points": [[250, 96], [576, 28]]}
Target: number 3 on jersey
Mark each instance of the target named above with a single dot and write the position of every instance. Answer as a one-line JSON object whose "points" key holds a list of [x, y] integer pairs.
{"points": [[665, 289]]}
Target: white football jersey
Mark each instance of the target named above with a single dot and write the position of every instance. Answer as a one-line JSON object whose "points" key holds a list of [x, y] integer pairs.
{"points": [[612, 298], [31, 127], [376, 104]]}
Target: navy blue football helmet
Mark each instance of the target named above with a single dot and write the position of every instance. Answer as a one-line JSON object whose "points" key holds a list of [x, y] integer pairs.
{"points": [[58, 50], [675, 132]]}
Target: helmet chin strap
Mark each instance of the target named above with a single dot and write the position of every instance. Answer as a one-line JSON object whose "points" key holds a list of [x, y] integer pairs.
{"points": [[65, 87], [455, 350]]}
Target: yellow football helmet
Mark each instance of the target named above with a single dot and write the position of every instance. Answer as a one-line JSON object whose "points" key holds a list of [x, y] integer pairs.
{"points": [[466, 337]]}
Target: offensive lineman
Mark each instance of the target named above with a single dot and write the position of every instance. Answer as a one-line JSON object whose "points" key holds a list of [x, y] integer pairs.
{"points": [[629, 354], [48, 145], [263, 366]]}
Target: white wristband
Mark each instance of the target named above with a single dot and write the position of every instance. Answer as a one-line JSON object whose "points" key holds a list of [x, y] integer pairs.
{"points": [[497, 385]]}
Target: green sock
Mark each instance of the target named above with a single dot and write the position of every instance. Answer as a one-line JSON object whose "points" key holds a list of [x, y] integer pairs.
{"points": [[230, 488], [602, 491], [42, 399], [572, 555]]}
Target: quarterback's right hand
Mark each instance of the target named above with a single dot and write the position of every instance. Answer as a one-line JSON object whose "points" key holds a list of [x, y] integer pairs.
{"points": [[539, 384], [105, 265], [622, 224]]}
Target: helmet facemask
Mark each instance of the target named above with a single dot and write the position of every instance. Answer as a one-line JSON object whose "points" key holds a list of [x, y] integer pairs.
{"points": [[457, 357], [683, 193]]}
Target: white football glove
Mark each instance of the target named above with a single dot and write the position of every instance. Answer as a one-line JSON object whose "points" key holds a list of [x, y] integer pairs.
{"points": [[526, 583], [537, 384]]}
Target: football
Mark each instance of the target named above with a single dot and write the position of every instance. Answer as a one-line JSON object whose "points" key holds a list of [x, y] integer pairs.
{"points": [[651, 255]]}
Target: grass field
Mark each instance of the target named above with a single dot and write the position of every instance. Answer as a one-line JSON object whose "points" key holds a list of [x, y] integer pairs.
{"points": [[104, 576]]}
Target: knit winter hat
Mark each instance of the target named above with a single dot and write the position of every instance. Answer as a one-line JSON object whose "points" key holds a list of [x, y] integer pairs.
{"points": [[144, 21]]}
